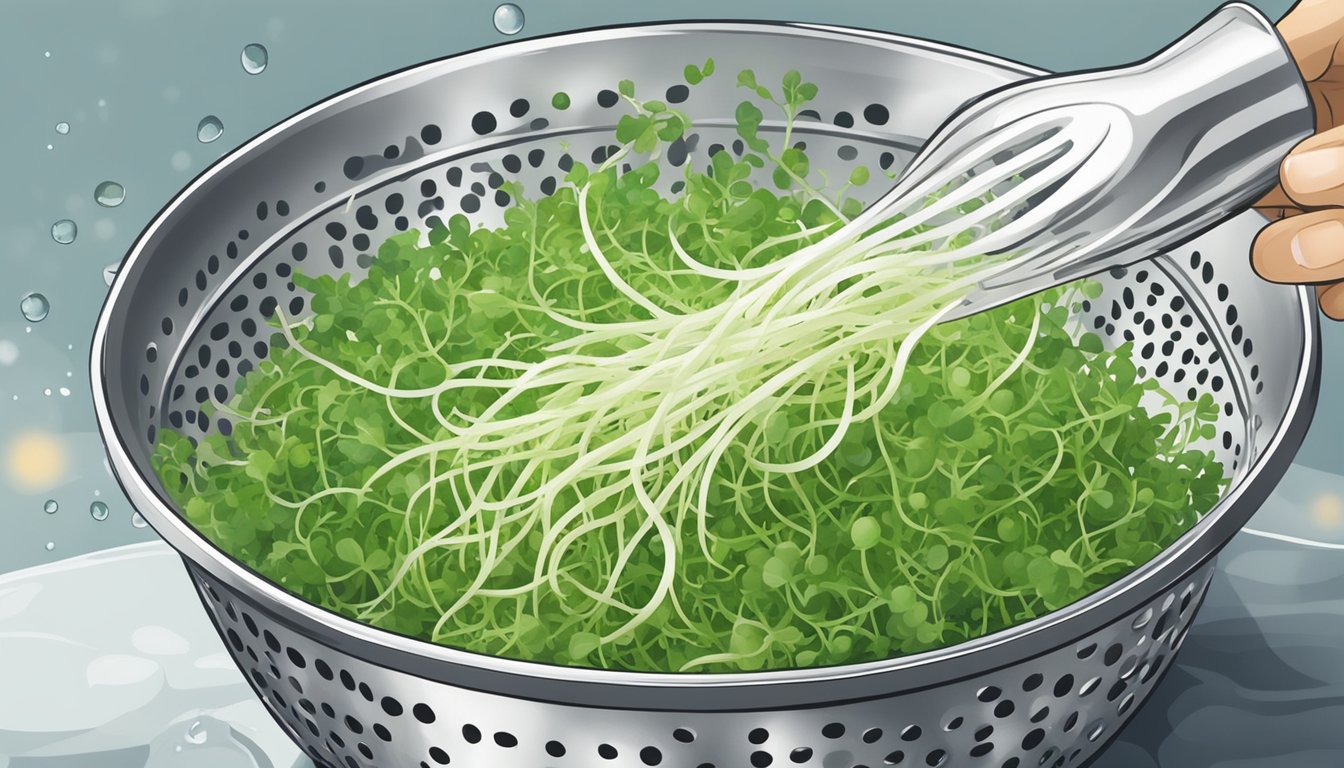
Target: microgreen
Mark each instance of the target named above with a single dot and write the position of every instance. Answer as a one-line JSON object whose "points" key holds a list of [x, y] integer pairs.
{"points": [[693, 432]]}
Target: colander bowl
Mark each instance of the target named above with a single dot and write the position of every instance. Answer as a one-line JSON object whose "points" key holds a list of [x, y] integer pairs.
{"points": [[187, 316]]}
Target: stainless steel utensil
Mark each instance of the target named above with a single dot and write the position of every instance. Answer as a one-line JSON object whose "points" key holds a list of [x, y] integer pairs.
{"points": [[188, 314], [1119, 164]]}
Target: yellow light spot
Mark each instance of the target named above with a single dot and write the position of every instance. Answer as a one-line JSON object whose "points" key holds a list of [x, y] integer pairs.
{"points": [[1328, 510], [35, 461]]}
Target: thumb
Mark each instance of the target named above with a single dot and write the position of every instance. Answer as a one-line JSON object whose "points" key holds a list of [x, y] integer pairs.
{"points": [[1312, 30], [1313, 173]]}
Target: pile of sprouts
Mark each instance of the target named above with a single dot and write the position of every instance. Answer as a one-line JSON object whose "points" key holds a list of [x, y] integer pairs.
{"points": [[719, 429]]}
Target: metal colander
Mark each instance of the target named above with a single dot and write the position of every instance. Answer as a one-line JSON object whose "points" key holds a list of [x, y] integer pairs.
{"points": [[188, 315]]}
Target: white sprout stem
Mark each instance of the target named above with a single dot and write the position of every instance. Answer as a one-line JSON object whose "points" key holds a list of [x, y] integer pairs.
{"points": [[651, 425]]}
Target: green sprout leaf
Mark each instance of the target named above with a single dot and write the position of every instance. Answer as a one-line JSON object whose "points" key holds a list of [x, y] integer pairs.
{"points": [[498, 438], [865, 533], [350, 551]]}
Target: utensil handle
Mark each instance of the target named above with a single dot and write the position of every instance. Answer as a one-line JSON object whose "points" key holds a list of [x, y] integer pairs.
{"points": [[1163, 150], [1215, 113]]}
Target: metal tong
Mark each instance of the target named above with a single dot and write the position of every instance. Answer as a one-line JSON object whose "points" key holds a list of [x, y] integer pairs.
{"points": [[1113, 166]]}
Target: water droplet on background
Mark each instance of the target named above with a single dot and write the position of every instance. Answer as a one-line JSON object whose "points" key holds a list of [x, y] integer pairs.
{"points": [[110, 272], [50, 507], [98, 511], [34, 307], [63, 128], [205, 742], [138, 521], [51, 545], [509, 19], [255, 58], [209, 129], [109, 194], [197, 733], [64, 231]]}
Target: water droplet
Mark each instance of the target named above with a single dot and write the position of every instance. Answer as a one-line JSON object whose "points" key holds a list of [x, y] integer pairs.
{"points": [[9, 352], [206, 743], [181, 161], [50, 507], [255, 58], [209, 129], [51, 545], [110, 272], [63, 128], [34, 307], [138, 521], [64, 231], [197, 733], [109, 194], [509, 19], [98, 511]]}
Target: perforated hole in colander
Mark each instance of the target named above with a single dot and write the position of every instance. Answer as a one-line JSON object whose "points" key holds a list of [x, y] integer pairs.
{"points": [[1048, 715]]}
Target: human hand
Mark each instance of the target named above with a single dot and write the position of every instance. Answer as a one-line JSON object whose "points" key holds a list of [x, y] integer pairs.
{"points": [[1305, 242]]}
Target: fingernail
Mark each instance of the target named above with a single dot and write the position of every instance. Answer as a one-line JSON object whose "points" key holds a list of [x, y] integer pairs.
{"points": [[1315, 170], [1318, 246]]}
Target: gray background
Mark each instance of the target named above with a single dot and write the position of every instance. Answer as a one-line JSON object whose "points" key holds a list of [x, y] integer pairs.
{"points": [[1261, 681]]}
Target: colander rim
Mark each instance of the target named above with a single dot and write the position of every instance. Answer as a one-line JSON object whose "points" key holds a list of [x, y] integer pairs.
{"points": [[693, 691]]}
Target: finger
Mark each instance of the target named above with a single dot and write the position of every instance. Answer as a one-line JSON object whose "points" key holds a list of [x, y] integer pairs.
{"points": [[1302, 249], [1312, 175], [1312, 29], [1331, 298]]}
